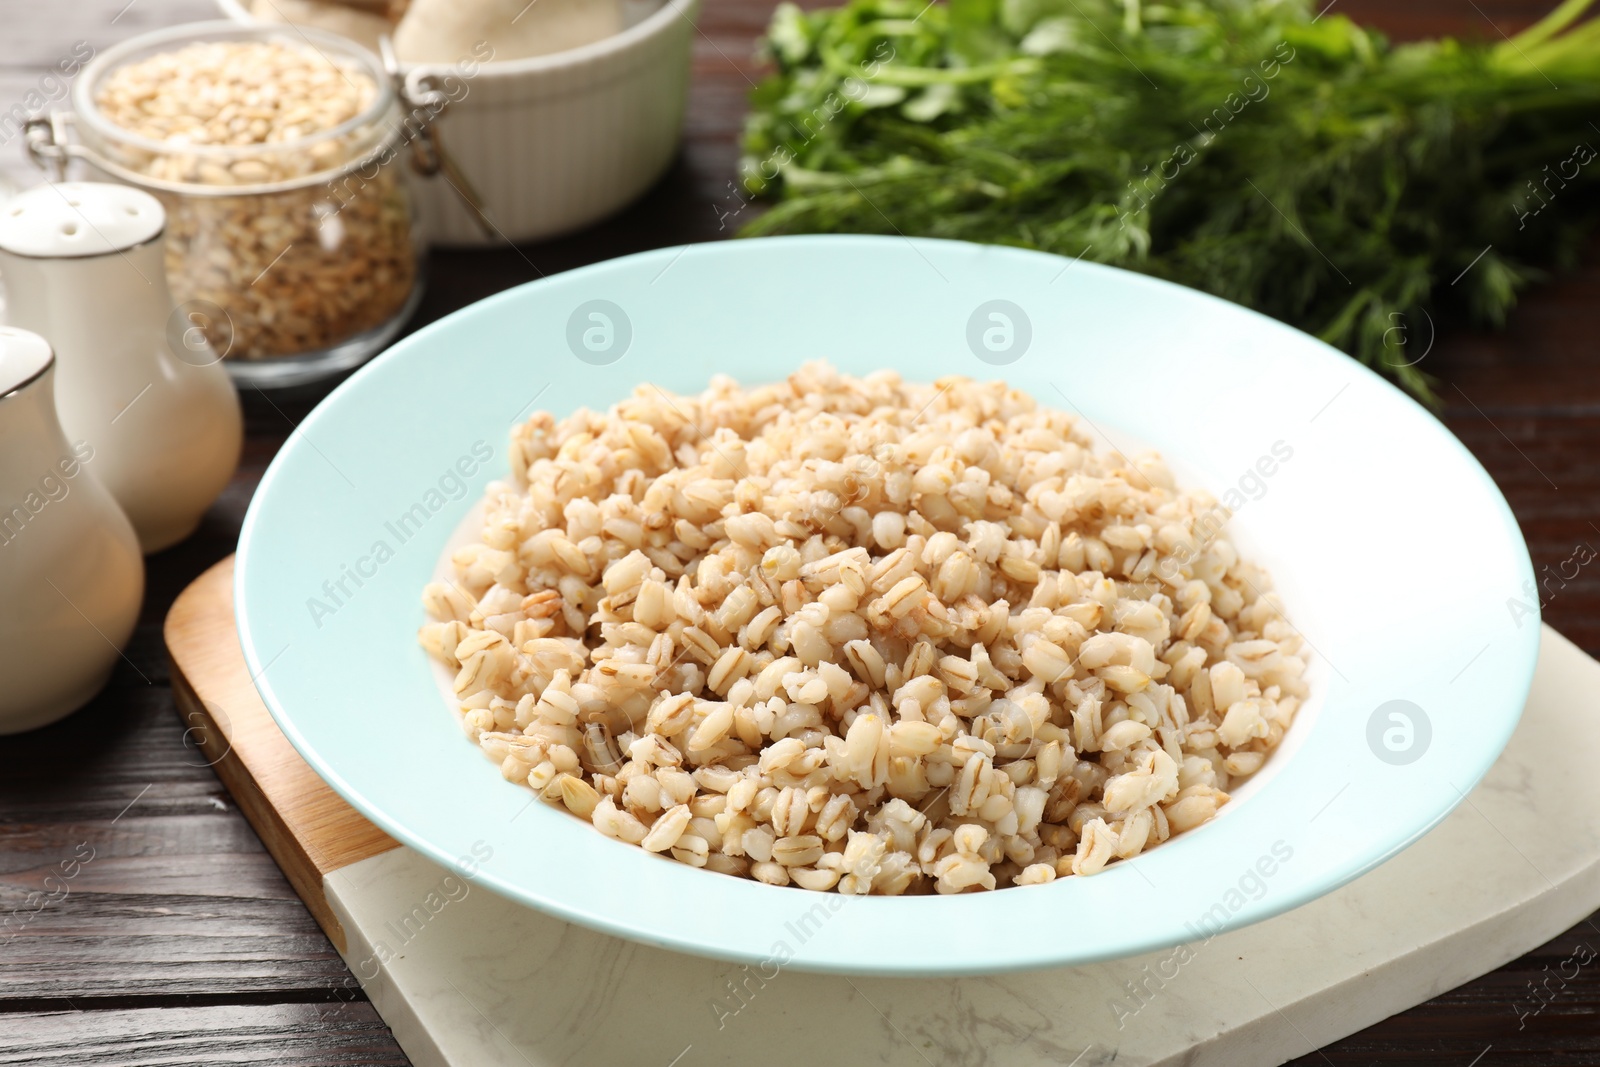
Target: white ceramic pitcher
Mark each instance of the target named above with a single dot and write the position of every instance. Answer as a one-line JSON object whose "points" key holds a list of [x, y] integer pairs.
{"points": [[71, 575], [137, 379]]}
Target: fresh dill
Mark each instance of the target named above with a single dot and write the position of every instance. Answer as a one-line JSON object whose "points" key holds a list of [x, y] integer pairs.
{"points": [[1300, 165]]}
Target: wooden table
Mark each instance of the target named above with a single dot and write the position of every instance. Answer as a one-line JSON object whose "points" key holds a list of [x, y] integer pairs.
{"points": [[180, 942]]}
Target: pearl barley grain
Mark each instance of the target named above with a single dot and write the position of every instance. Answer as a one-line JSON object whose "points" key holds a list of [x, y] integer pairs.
{"points": [[1002, 696], [296, 270]]}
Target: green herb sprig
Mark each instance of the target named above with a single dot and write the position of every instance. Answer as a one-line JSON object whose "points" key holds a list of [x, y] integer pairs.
{"points": [[1297, 164]]}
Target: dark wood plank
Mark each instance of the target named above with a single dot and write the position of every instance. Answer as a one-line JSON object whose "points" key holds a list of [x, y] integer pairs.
{"points": [[180, 942], [285, 1035], [126, 870]]}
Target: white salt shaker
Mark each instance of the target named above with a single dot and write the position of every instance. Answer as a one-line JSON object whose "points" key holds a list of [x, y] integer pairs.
{"points": [[137, 379], [71, 575]]}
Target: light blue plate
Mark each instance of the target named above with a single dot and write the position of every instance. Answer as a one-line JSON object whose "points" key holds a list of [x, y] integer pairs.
{"points": [[1394, 553]]}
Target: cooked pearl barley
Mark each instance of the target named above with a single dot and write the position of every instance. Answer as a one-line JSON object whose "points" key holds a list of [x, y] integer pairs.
{"points": [[859, 635]]}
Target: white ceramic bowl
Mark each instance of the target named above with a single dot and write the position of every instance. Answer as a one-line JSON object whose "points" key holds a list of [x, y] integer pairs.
{"points": [[1394, 553], [556, 142]]}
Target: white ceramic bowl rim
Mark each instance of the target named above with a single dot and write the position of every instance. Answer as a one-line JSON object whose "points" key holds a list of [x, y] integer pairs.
{"points": [[1407, 555], [495, 69]]}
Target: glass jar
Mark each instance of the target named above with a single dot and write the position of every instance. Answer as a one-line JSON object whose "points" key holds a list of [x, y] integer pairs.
{"points": [[298, 257]]}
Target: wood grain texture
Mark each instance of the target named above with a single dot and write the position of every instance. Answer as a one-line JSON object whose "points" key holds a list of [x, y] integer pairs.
{"points": [[304, 824], [165, 893], [181, 901], [330, 1034]]}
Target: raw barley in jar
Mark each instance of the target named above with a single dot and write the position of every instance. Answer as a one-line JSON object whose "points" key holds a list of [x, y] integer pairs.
{"points": [[297, 270]]}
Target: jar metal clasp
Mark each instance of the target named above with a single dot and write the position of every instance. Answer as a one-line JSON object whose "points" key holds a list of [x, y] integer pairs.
{"points": [[419, 90], [48, 143]]}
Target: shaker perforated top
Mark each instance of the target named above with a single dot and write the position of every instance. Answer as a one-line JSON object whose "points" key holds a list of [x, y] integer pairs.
{"points": [[76, 219], [23, 357]]}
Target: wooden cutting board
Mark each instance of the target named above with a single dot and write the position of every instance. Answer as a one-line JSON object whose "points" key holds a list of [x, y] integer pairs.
{"points": [[465, 977]]}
